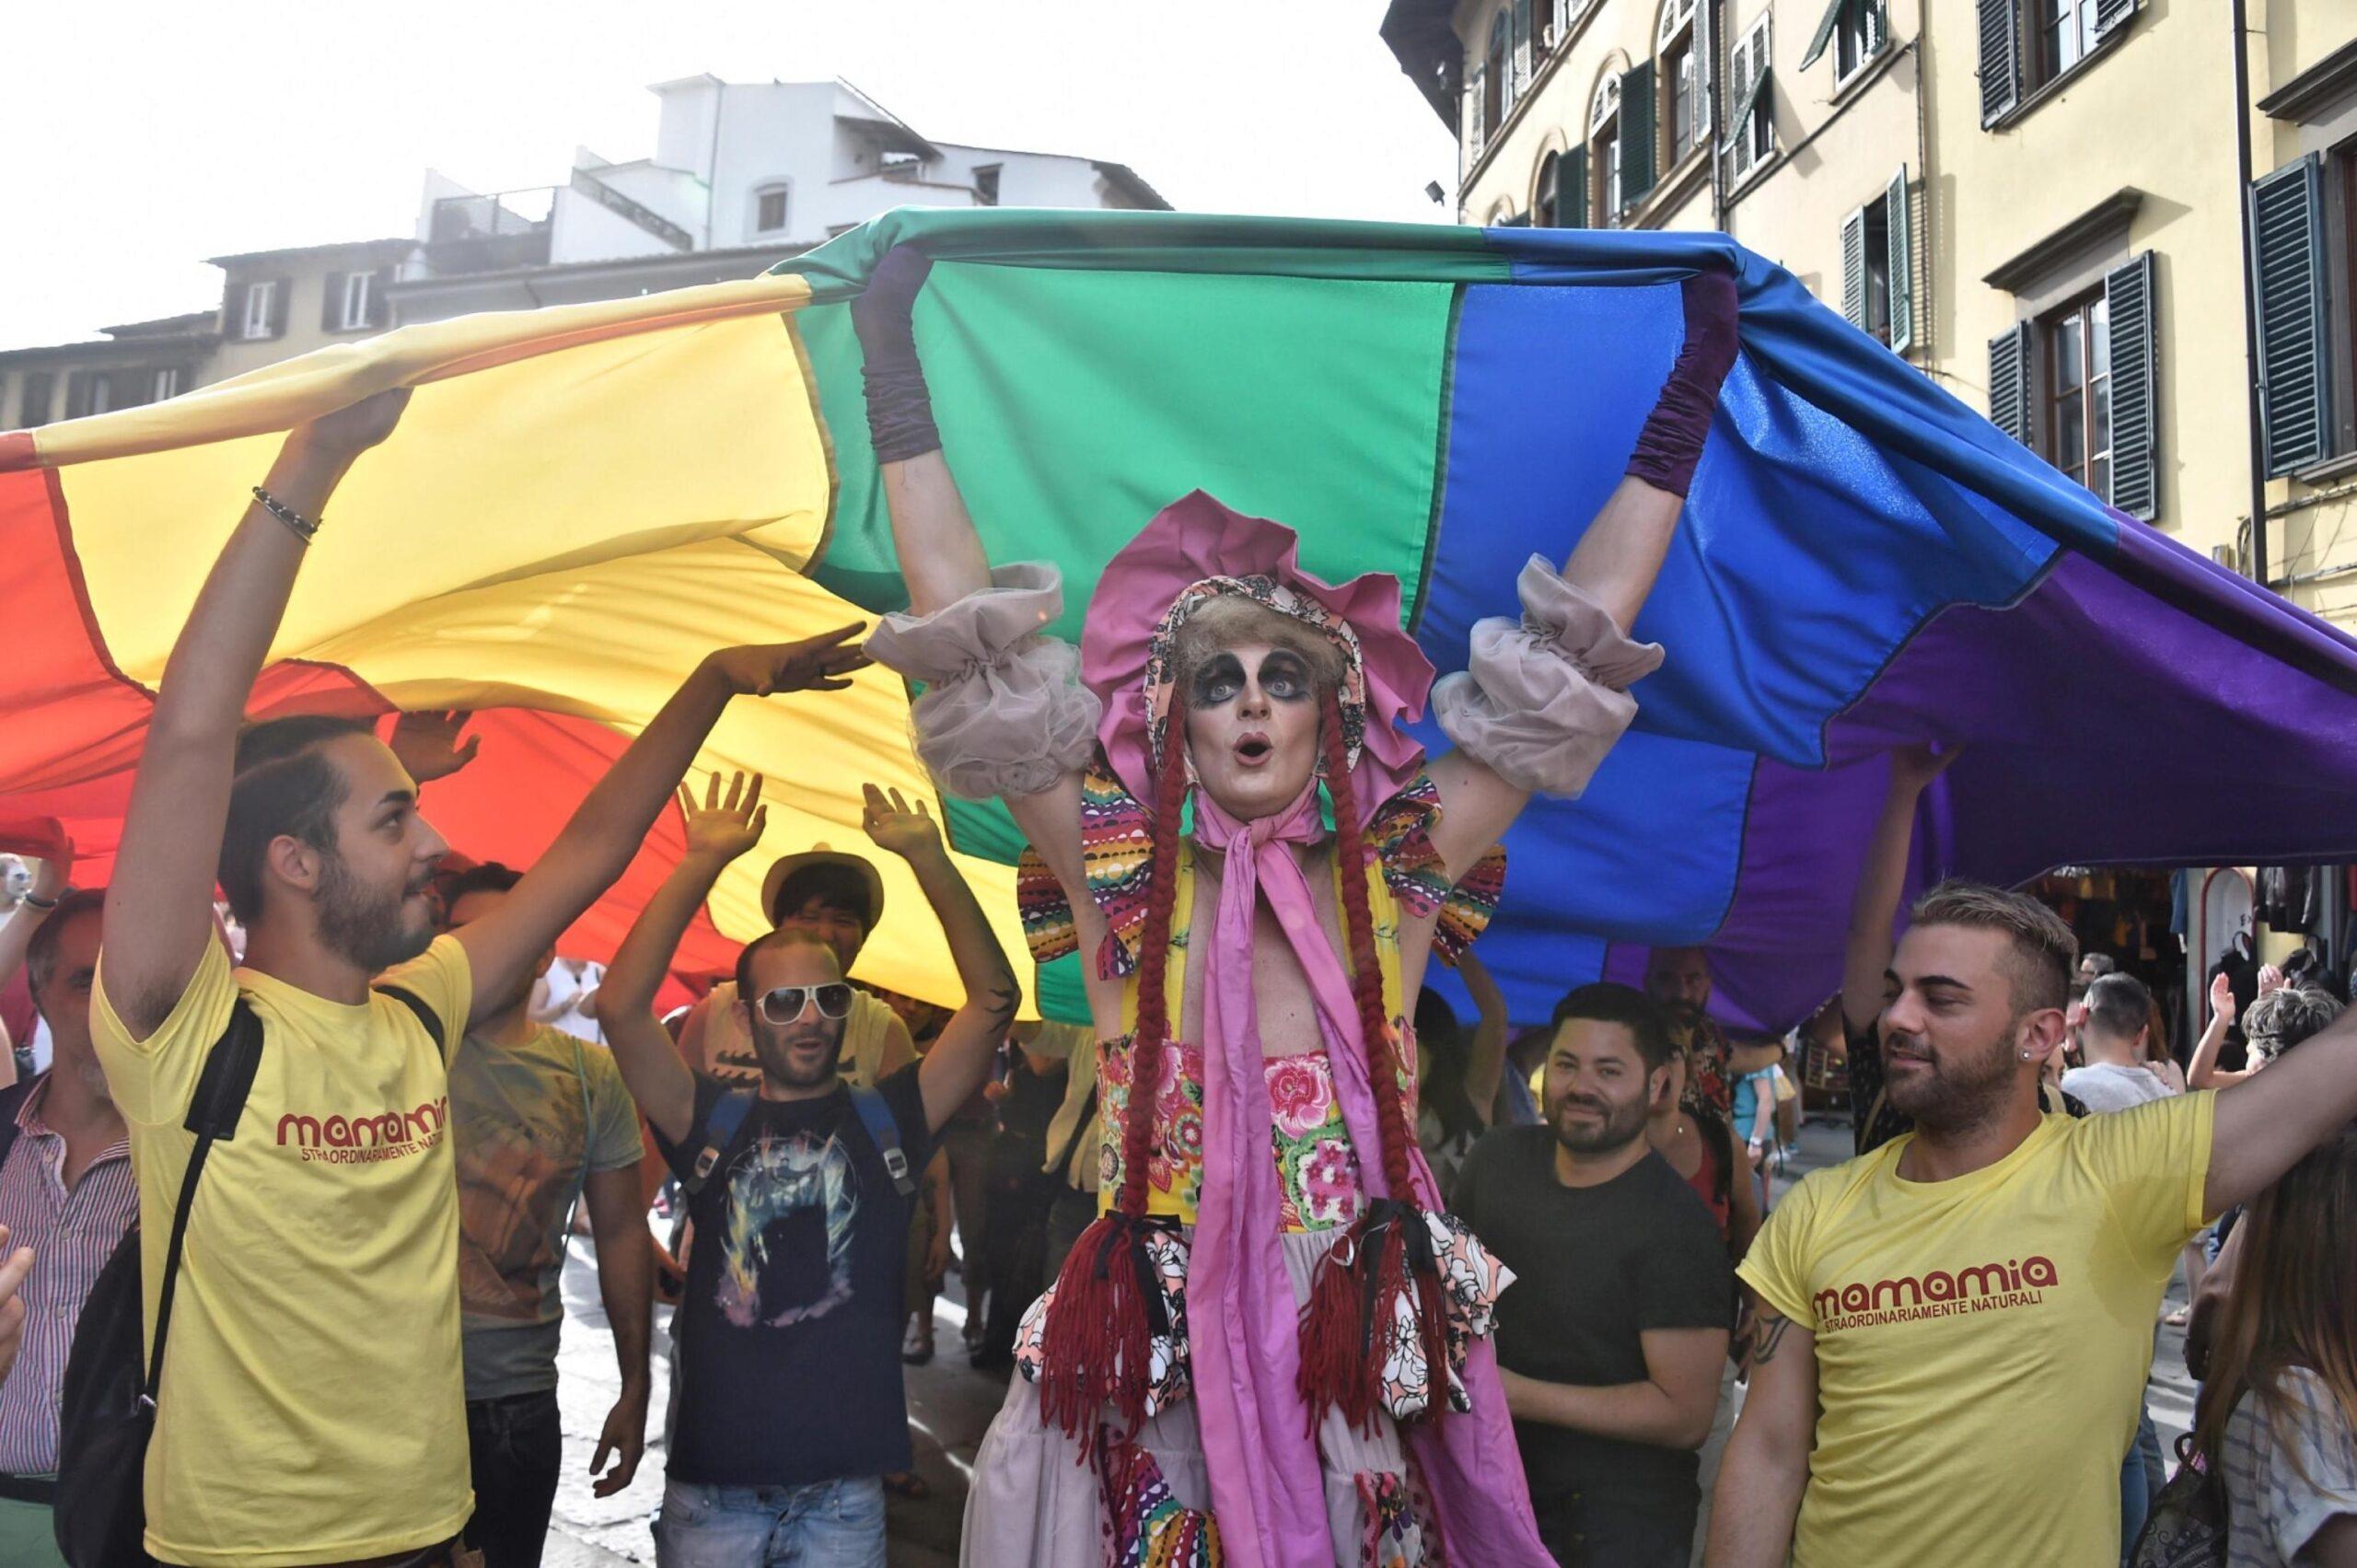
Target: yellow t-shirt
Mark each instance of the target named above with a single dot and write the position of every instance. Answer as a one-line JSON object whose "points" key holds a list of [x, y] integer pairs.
{"points": [[312, 1407], [1983, 1343]]}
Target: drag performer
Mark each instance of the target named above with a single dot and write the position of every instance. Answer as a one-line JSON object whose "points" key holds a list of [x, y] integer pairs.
{"points": [[1269, 1349]]}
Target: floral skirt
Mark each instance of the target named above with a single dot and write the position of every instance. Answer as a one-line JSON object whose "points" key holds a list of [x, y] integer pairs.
{"points": [[1037, 1500]]}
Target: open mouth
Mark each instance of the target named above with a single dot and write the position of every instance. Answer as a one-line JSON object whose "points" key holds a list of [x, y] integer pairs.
{"points": [[1252, 750]]}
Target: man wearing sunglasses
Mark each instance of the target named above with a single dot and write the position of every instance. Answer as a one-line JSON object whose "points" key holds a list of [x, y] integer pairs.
{"points": [[791, 1407]]}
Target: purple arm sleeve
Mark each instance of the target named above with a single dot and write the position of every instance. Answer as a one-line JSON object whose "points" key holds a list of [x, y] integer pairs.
{"points": [[900, 409], [1671, 443]]}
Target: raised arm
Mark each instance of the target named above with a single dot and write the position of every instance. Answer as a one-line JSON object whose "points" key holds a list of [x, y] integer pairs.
{"points": [[1873, 908], [2261, 1127], [1765, 1472], [612, 822], [159, 900], [1485, 1057], [2203, 1071], [1502, 759], [960, 1058], [50, 878], [658, 1079]]}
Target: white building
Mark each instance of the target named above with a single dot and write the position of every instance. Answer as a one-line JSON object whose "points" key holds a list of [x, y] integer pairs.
{"points": [[742, 176]]}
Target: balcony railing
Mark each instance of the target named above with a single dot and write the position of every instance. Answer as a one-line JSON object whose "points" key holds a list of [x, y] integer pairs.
{"points": [[490, 234]]}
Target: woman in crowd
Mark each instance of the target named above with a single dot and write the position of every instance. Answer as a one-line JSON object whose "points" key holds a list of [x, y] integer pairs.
{"points": [[2277, 1421], [1460, 1079]]}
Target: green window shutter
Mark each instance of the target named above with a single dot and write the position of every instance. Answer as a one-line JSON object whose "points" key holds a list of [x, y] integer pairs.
{"points": [[2001, 58], [2134, 317], [1637, 133], [2294, 361], [1902, 265], [2009, 382], [332, 304], [1572, 188], [1853, 268], [2109, 14], [1824, 33], [1524, 60]]}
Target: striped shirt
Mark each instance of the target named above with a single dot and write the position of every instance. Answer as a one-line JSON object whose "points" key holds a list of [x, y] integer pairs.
{"points": [[72, 1233], [2288, 1473]]}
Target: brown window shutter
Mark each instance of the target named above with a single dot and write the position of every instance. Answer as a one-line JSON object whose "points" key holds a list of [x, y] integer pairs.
{"points": [[278, 299], [332, 304], [380, 307], [233, 311]]}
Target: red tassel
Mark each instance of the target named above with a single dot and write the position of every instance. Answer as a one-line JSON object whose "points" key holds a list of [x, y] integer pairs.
{"points": [[1094, 1345], [1345, 1325]]}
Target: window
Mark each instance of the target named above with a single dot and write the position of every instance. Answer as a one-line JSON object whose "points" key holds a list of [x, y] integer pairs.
{"points": [[1604, 151], [33, 399], [1496, 95], [1857, 29], [1683, 102], [2025, 44], [2305, 244], [1878, 259], [986, 184], [163, 383], [1752, 129], [1525, 55], [1544, 214], [356, 300], [260, 315], [2079, 386], [769, 209], [1560, 199], [1544, 24], [89, 392]]}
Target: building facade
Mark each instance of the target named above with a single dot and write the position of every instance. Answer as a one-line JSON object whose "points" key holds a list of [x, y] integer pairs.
{"points": [[743, 176], [2040, 203]]}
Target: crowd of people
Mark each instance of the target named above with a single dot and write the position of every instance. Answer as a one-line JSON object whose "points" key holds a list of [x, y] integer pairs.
{"points": [[1284, 1263]]}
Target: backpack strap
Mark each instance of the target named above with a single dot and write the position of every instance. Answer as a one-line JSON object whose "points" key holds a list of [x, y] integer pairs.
{"points": [[720, 1129], [424, 1014], [213, 1113], [877, 1117]]}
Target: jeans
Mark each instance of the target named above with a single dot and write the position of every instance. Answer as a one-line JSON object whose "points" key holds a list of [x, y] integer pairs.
{"points": [[2136, 1489], [517, 1448], [829, 1523]]}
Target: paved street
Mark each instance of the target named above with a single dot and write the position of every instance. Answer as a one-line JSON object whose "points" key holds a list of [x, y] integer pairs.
{"points": [[949, 1407]]}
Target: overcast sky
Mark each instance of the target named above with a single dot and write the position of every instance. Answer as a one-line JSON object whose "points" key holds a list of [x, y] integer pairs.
{"points": [[150, 136]]}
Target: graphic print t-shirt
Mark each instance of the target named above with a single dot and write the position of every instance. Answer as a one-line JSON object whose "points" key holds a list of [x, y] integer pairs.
{"points": [[1983, 1339], [530, 1120], [311, 1410], [790, 1345]]}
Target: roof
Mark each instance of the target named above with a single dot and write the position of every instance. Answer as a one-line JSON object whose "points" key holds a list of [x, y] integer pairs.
{"points": [[1125, 178], [433, 284], [887, 126], [165, 326], [389, 246], [115, 351], [1422, 36]]}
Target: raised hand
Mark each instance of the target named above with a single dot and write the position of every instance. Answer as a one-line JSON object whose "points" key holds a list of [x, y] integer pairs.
{"points": [[52, 875], [726, 827], [427, 744], [1914, 767], [814, 664], [2222, 998], [894, 826], [2271, 979], [351, 430]]}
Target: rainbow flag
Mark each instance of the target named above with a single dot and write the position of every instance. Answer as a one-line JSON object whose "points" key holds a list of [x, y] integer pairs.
{"points": [[584, 500]]}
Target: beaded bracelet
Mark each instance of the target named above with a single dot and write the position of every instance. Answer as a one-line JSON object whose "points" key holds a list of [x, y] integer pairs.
{"points": [[295, 523]]}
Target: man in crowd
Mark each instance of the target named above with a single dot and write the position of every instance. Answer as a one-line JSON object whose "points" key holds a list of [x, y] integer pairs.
{"points": [[541, 1123], [1610, 1341], [312, 1408], [1679, 980], [1971, 1299], [2112, 1035], [66, 1190], [791, 1406], [837, 899]]}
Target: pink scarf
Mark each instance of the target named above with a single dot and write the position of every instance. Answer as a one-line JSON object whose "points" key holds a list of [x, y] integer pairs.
{"points": [[1268, 1489]]}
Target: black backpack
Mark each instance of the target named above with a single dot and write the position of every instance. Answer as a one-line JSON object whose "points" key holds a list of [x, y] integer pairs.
{"points": [[107, 1405]]}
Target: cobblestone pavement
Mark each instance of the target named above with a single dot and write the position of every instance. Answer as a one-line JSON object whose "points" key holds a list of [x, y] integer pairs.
{"points": [[949, 1407]]}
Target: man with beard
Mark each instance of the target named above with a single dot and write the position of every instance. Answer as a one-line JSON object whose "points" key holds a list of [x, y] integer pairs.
{"points": [[1610, 1341], [66, 1190], [312, 1408], [1679, 979], [1975, 1297], [790, 1408], [541, 1123]]}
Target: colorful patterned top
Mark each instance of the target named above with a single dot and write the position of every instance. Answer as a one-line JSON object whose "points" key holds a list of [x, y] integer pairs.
{"points": [[1317, 1166]]}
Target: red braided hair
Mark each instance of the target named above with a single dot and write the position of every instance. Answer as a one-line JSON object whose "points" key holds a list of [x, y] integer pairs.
{"points": [[1367, 973], [1150, 1035]]}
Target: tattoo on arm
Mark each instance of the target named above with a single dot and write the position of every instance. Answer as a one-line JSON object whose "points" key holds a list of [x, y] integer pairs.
{"points": [[1004, 996], [1767, 1336]]}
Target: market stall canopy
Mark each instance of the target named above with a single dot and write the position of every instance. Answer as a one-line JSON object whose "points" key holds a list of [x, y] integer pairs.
{"points": [[582, 501]]}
